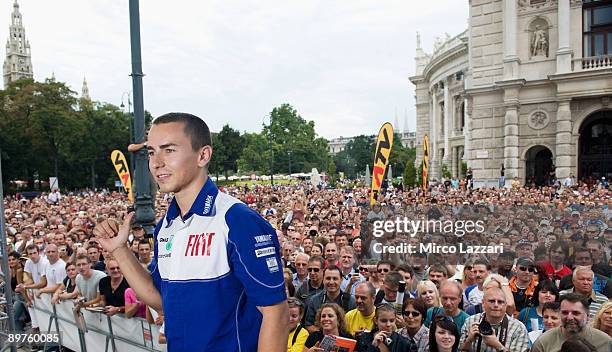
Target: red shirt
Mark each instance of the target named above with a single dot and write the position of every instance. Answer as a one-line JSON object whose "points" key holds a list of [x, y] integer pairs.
{"points": [[556, 274]]}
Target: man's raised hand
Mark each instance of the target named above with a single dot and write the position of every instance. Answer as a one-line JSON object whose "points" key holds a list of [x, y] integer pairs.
{"points": [[111, 235]]}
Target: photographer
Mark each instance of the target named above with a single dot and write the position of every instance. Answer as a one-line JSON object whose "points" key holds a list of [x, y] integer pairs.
{"points": [[383, 338], [493, 330]]}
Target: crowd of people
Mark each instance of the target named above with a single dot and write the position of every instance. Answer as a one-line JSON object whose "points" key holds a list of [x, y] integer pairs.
{"points": [[347, 275]]}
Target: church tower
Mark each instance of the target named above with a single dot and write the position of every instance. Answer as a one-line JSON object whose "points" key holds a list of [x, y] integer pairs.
{"points": [[18, 62], [85, 90]]}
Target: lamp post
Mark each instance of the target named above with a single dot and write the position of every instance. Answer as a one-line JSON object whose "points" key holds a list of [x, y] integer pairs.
{"points": [[145, 215], [130, 123], [271, 151]]}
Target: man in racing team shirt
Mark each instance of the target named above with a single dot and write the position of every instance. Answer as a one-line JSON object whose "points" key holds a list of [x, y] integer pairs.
{"points": [[216, 269]]}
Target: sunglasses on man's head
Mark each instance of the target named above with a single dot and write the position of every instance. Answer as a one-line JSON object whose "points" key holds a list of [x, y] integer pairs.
{"points": [[530, 269]]}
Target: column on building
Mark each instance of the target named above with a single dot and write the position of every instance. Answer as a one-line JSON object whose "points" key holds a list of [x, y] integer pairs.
{"points": [[511, 141], [460, 159], [564, 52], [510, 32], [467, 110], [563, 147], [433, 150], [447, 125], [454, 160]]}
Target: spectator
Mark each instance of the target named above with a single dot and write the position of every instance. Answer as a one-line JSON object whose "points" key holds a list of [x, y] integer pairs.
{"points": [[505, 262], [507, 332], [388, 294], [87, 282], [383, 267], [314, 282], [297, 334], [362, 317], [317, 250], [583, 285], [556, 268], [472, 295], [329, 320], [94, 256], [383, 338], [437, 274], [112, 289], [332, 277], [603, 318], [331, 254], [350, 276], [532, 316], [583, 257], [428, 291], [523, 284], [67, 289], [450, 294], [144, 253], [411, 322], [133, 306], [55, 271], [444, 335], [16, 275], [574, 316], [34, 268], [301, 267], [552, 318]]}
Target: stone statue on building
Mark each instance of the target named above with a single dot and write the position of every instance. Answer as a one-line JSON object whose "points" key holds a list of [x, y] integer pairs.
{"points": [[539, 42]]}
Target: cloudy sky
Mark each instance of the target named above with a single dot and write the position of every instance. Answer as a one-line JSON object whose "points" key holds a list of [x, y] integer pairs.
{"points": [[343, 64]]}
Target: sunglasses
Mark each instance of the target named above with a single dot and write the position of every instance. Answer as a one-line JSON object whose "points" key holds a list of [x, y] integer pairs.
{"points": [[363, 268], [468, 267], [316, 270], [383, 270], [530, 269], [411, 313]]}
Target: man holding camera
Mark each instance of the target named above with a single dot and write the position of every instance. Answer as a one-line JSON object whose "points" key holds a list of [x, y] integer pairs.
{"points": [[493, 330]]}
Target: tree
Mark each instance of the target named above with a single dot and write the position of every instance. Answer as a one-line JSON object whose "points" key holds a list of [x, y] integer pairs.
{"points": [[255, 154], [410, 174]]}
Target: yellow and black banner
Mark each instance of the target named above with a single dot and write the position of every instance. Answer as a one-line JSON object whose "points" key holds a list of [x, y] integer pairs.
{"points": [[425, 161], [384, 143], [121, 166]]}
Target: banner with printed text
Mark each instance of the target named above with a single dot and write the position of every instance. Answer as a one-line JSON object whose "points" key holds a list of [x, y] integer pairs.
{"points": [[384, 143], [121, 166]]}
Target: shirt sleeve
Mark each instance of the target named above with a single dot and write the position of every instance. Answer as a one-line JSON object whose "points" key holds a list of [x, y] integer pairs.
{"points": [[254, 255], [155, 276], [129, 296], [519, 340]]}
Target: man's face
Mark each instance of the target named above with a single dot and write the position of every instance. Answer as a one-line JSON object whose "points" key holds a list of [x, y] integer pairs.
{"points": [[93, 254], [144, 251], [341, 241], [294, 317], [583, 282], [494, 304], [33, 255], [504, 263], [573, 317], [407, 277], [301, 264], [418, 263], [383, 269], [296, 238], [583, 258], [315, 272], [557, 255], [436, 277], [525, 272], [524, 251], [390, 290], [83, 267], [332, 281], [52, 254], [480, 272], [172, 161], [552, 319], [363, 300], [451, 297], [307, 244], [346, 260], [357, 246], [331, 252], [113, 269], [287, 250], [596, 249], [39, 242]]}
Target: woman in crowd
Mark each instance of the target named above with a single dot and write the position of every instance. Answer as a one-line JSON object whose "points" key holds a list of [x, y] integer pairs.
{"points": [[16, 273], [330, 321], [414, 311], [383, 338], [67, 289], [545, 292], [469, 278], [317, 250], [603, 318], [443, 335], [428, 291], [297, 334]]}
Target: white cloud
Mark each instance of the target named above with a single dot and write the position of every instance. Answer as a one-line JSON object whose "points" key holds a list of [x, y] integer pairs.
{"points": [[343, 64]]}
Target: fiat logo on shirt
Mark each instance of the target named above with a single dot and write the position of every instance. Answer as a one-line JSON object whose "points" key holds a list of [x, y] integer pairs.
{"points": [[199, 245]]}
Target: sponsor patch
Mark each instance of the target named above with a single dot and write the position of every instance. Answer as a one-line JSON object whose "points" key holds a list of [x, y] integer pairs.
{"points": [[272, 264], [262, 252]]}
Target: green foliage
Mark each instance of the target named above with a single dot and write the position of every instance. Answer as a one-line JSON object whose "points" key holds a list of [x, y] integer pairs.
{"points": [[255, 154], [445, 172], [410, 174], [463, 169], [227, 148], [420, 174]]}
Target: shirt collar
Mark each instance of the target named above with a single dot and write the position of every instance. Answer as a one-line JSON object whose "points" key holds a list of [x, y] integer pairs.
{"points": [[203, 204]]}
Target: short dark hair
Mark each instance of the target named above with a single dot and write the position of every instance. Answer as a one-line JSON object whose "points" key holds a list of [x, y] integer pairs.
{"points": [[439, 269], [194, 127], [144, 241], [560, 244], [554, 306], [83, 256], [332, 267], [445, 323], [418, 304], [31, 247], [317, 259], [480, 261], [388, 262], [574, 298], [548, 286]]}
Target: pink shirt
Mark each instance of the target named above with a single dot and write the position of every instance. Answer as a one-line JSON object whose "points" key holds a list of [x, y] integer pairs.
{"points": [[130, 298]]}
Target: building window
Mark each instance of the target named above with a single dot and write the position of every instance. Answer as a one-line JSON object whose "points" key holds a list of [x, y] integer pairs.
{"points": [[597, 28]]}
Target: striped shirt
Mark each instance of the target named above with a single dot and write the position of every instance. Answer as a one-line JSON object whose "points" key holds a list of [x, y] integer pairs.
{"points": [[517, 339]]}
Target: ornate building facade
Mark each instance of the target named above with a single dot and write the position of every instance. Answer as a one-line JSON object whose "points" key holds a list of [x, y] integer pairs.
{"points": [[18, 61], [528, 86]]}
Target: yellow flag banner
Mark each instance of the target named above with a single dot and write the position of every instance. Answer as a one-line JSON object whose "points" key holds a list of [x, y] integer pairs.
{"points": [[425, 161], [384, 143], [121, 166]]}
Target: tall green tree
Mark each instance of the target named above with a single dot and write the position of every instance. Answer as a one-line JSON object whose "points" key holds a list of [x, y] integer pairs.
{"points": [[255, 154]]}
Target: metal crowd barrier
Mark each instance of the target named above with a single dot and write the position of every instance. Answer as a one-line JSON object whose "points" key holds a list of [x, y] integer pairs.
{"points": [[95, 331]]}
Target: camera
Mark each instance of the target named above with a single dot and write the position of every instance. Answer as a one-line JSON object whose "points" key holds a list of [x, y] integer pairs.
{"points": [[485, 329], [388, 341]]}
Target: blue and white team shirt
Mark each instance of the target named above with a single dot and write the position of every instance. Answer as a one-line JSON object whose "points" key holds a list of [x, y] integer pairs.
{"points": [[213, 268]]}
